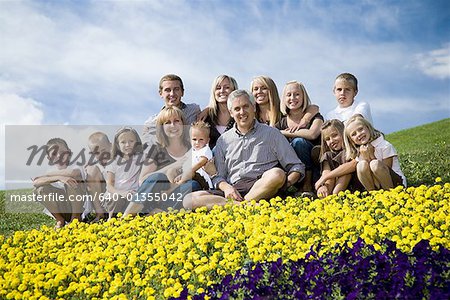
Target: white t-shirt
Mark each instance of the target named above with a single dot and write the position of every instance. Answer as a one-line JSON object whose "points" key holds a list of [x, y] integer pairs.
{"points": [[345, 113], [384, 149], [196, 155], [126, 173], [87, 205]]}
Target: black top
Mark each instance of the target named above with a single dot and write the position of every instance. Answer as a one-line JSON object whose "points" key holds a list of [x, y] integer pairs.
{"points": [[282, 125]]}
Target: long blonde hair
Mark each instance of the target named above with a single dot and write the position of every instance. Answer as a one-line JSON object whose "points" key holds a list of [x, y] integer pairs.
{"points": [[163, 116], [213, 110], [334, 123], [351, 149], [306, 100], [274, 99]]}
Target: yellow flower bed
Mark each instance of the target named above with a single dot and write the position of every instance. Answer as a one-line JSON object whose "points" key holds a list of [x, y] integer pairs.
{"points": [[157, 256]]}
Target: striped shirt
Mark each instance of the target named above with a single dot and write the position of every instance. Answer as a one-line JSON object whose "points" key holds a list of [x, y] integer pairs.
{"points": [[248, 156], [190, 112]]}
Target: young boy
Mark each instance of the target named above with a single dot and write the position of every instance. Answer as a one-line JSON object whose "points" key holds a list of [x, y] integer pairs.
{"points": [[100, 148], [201, 153], [345, 89], [60, 186]]}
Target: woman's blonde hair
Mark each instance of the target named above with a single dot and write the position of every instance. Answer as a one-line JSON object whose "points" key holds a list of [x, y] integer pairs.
{"points": [[274, 99], [164, 115], [213, 110], [334, 123], [306, 101], [351, 149], [116, 149]]}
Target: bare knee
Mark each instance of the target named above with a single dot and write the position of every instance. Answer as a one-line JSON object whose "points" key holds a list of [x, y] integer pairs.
{"points": [[377, 166], [193, 200], [362, 167], [94, 175], [187, 201], [275, 176]]}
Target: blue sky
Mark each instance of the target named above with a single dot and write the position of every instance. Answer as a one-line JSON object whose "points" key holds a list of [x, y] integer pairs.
{"points": [[99, 62]]}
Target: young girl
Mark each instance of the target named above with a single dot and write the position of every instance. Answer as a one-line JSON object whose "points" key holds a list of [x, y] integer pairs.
{"points": [[377, 164], [331, 157], [122, 175], [295, 102]]}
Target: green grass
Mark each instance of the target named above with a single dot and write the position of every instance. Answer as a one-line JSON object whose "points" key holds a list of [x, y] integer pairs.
{"points": [[423, 153], [10, 222]]}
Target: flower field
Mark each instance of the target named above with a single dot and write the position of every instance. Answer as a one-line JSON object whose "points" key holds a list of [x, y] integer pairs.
{"points": [[388, 244]]}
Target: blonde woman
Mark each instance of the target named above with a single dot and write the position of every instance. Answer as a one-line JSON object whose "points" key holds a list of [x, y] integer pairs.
{"points": [[267, 100], [218, 115], [158, 190]]}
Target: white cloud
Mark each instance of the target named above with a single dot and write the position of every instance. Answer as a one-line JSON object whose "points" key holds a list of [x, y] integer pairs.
{"points": [[16, 111], [20, 111], [100, 62], [435, 63]]}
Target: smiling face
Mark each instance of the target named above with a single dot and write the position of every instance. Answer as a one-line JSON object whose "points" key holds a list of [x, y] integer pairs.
{"points": [[261, 92], [171, 92], [358, 132], [59, 155], [173, 127], [293, 97], [243, 112], [223, 89], [345, 92], [126, 142], [333, 138]]}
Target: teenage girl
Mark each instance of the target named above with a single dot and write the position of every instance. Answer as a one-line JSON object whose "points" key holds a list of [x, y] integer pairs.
{"points": [[295, 103]]}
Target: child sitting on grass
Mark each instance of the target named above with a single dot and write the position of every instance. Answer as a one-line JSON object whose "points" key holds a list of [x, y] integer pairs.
{"points": [[62, 181], [122, 179], [377, 165], [373, 158]]}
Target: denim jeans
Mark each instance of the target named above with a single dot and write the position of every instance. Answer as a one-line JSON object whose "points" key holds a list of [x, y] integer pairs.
{"points": [[303, 149], [149, 193]]}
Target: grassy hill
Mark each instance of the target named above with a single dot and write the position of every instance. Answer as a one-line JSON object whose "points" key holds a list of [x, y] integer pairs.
{"points": [[423, 153]]}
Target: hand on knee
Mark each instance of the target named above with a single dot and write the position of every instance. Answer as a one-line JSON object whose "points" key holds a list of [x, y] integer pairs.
{"points": [[377, 166], [363, 167]]}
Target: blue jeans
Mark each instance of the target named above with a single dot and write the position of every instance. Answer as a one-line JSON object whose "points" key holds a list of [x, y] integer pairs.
{"points": [[149, 193], [303, 149]]}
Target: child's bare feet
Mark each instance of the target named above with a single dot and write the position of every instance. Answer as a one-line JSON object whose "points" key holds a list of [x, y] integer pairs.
{"points": [[59, 224]]}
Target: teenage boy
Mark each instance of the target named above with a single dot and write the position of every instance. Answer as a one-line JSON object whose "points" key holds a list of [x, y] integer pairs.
{"points": [[345, 90]]}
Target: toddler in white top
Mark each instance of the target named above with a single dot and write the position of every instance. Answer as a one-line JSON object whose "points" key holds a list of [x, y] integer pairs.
{"points": [[201, 153]]}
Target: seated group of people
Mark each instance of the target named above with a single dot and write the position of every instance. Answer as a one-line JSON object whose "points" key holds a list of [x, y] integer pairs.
{"points": [[243, 146]]}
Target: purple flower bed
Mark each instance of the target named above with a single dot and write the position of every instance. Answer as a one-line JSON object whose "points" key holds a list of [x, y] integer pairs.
{"points": [[359, 272]]}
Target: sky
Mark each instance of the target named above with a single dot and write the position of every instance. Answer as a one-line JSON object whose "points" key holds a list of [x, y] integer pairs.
{"points": [[99, 62]]}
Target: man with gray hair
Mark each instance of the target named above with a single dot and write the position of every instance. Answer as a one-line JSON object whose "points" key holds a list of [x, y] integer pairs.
{"points": [[253, 160]]}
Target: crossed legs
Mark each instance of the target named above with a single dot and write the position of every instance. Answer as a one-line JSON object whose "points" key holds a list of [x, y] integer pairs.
{"points": [[265, 187]]}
